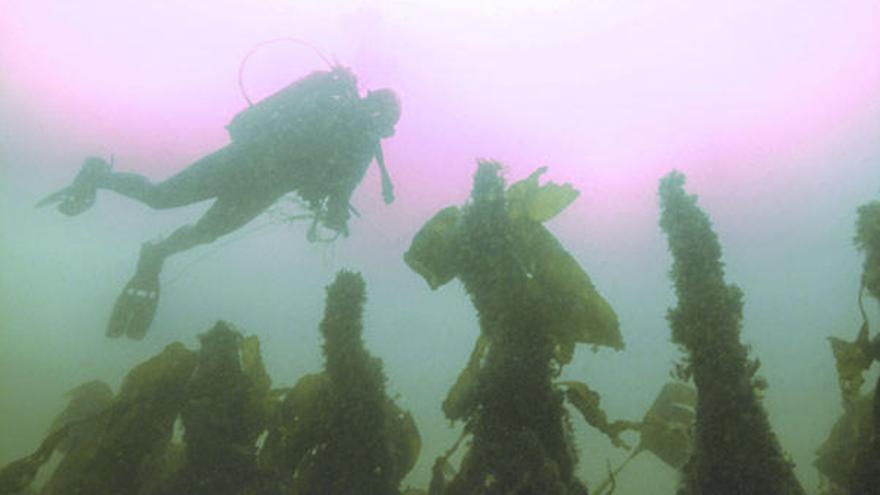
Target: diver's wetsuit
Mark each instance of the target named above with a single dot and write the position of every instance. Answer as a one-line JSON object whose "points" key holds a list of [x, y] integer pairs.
{"points": [[323, 159], [245, 181], [315, 138], [224, 175]]}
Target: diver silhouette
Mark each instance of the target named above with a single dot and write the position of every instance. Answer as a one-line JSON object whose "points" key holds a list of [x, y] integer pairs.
{"points": [[316, 138]]}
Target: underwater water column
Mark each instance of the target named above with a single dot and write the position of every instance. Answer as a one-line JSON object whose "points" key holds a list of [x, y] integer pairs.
{"points": [[520, 437], [735, 449]]}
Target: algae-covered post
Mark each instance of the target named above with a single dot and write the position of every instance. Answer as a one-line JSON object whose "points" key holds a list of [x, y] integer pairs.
{"points": [[338, 433], [735, 450], [534, 303], [356, 455]]}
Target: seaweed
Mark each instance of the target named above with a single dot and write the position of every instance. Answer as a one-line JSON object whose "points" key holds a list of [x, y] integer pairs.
{"points": [[851, 361], [836, 458], [296, 429], [17, 476], [355, 455], [87, 400], [462, 397], [220, 396], [665, 431], [534, 304], [867, 239], [586, 401], [571, 308], [223, 414], [850, 457], [735, 449], [72, 427], [337, 432], [132, 432], [220, 399]]}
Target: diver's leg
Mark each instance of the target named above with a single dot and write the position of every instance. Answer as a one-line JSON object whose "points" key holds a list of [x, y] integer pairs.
{"points": [[204, 179], [135, 307], [226, 215]]}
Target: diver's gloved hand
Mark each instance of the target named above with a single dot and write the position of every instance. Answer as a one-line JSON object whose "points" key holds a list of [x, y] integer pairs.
{"points": [[339, 228], [336, 219]]}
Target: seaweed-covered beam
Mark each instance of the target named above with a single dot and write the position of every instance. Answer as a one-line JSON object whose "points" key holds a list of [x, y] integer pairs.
{"points": [[735, 450], [338, 433], [357, 454], [520, 442], [534, 304]]}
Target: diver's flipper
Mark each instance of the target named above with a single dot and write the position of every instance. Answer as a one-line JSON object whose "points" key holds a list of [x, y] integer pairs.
{"points": [[79, 196], [135, 307], [55, 197]]}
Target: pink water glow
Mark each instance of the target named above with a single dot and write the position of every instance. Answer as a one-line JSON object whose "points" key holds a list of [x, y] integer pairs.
{"points": [[610, 95]]}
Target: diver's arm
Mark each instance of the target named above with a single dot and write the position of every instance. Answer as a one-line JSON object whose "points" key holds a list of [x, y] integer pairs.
{"points": [[338, 204], [338, 207], [387, 186]]}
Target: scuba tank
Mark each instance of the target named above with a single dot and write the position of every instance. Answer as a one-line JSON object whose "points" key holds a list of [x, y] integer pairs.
{"points": [[304, 102]]}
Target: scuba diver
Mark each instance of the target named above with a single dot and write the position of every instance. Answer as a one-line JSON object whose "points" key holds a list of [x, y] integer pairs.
{"points": [[315, 137]]}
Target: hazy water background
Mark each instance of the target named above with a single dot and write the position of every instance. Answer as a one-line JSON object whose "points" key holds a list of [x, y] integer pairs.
{"points": [[772, 109]]}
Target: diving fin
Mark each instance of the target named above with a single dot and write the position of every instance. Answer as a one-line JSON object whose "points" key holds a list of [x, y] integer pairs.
{"points": [[135, 308], [79, 196], [136, 305], [55, 197]]}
